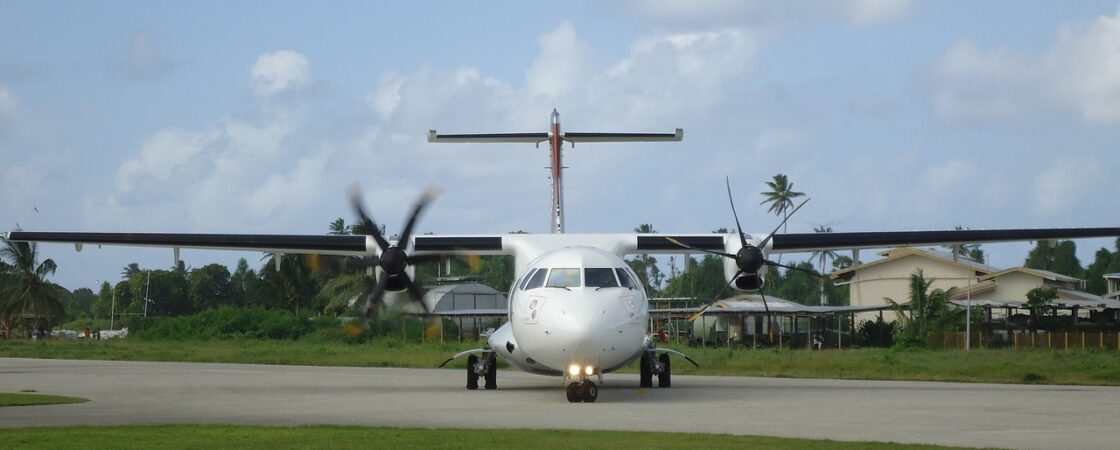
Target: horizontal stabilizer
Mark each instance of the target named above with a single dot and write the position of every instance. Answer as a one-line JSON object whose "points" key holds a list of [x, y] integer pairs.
{"points": [[624, 137], [531, 138]]}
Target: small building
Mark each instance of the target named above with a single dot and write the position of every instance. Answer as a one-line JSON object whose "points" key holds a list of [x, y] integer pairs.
{"points": [[1113, 280], [1014, 283], [889, 277]]}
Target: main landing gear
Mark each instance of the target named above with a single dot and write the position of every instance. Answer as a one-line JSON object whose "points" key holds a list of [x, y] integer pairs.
{"points": [[583, 390], [485, 368], [659, 365]]}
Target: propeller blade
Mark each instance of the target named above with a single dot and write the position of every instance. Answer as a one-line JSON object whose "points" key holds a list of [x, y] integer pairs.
{"points": [[769, 320], [416, 291], [711, 252], [367, 221], [429, 194], [373, 300], [719, 296], [738, 227], [799, 269], [772, 233]]}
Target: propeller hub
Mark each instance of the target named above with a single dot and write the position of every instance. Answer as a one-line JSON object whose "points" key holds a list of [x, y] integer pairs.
{"points": [[394, 260], [749, 259]]}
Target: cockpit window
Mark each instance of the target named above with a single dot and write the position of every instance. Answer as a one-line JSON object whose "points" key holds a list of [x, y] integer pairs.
{"points": [[624, 278], [563, 278], [597, 278], [528, 276], [537, 280]]}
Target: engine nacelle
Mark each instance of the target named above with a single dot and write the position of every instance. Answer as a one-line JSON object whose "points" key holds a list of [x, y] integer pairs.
{"points": [[749, 282]]}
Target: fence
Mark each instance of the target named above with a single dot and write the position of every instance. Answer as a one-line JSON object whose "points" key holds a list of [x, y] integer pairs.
{"points": [[1055, 340]]}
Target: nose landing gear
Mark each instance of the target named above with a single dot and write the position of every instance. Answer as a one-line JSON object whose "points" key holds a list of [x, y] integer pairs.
{"points": [[485, 368], [660, 365], [583, 391]]}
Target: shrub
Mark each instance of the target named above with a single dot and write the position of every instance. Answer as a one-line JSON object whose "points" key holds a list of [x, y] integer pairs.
{"points": [[876, 334]]}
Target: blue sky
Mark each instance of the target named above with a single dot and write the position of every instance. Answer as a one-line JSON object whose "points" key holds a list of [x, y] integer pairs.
{"points": [[255, 116]]}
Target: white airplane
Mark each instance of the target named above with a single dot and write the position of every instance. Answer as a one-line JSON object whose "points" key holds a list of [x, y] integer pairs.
{"points": [[576, 309]]}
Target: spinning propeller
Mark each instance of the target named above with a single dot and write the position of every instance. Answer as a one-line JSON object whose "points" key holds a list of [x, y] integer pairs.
{"points": [[748, 261], [394, 259]]}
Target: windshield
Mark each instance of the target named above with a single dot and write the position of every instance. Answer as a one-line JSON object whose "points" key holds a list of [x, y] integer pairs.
{"points": [[624, 278], [565, 278], [599, 278], [537, 280]]}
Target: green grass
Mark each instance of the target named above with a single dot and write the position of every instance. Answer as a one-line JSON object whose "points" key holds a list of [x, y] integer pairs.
{"points": [[1089, 367], [337, 437], [25, 399]]}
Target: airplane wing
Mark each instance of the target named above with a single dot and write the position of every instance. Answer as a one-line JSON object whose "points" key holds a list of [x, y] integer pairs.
{"points": [[803, 242], [268, 243]]}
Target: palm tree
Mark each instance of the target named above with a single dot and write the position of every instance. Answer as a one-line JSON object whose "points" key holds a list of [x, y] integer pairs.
{"points": [[929, 311], [26, 290], [338, 227], [130, 270], [780, 197], [822, 256]]}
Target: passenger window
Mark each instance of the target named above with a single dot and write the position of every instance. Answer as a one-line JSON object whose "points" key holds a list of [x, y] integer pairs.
{"points": [[624, 278], [537, 280], [565, 278], [528, 276], [599, 278]]}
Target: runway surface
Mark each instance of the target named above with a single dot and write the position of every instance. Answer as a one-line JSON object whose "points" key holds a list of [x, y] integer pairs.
{"points": [[1016, 416]]}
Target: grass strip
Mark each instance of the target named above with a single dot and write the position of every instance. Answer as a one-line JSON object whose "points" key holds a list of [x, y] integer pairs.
{"points": [[341, 437], [25, 399]]}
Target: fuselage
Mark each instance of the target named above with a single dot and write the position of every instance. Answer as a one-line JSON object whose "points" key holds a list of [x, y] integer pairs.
{"points": [[574, 311]]}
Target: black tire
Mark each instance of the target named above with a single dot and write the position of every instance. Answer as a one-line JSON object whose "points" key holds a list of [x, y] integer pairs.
{"points": [[665, 378], [492, 373], [646, 371], [472, 378], [588, 392], [573, 393]]}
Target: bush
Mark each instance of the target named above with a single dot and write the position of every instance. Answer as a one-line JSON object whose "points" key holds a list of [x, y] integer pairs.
{"points": [[227, 322], [876, 334]]}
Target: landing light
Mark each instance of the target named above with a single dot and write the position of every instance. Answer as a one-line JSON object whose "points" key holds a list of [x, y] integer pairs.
{"points": [[573, 370], [588, 370]]}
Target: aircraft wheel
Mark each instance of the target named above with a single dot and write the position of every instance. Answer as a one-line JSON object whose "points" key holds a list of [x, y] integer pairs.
{"points": [[665, 378], [588, 392], [646, 370], [573, 393], [472, 377], [492, 373]]}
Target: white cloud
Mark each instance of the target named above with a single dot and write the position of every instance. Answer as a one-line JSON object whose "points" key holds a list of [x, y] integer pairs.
{"points": [[1078, 74], [161, 154], [952, 175], [1064, 184], [7, 103], [385, 98], [560, 66], [279, 71], [144, 60]]}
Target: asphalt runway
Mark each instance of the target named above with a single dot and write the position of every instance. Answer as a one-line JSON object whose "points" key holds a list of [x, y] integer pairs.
{"points": [[1015, 416]]}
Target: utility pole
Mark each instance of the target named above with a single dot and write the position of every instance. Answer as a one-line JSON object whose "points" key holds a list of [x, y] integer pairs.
{"points": [[147, 289], [113, 309]]}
